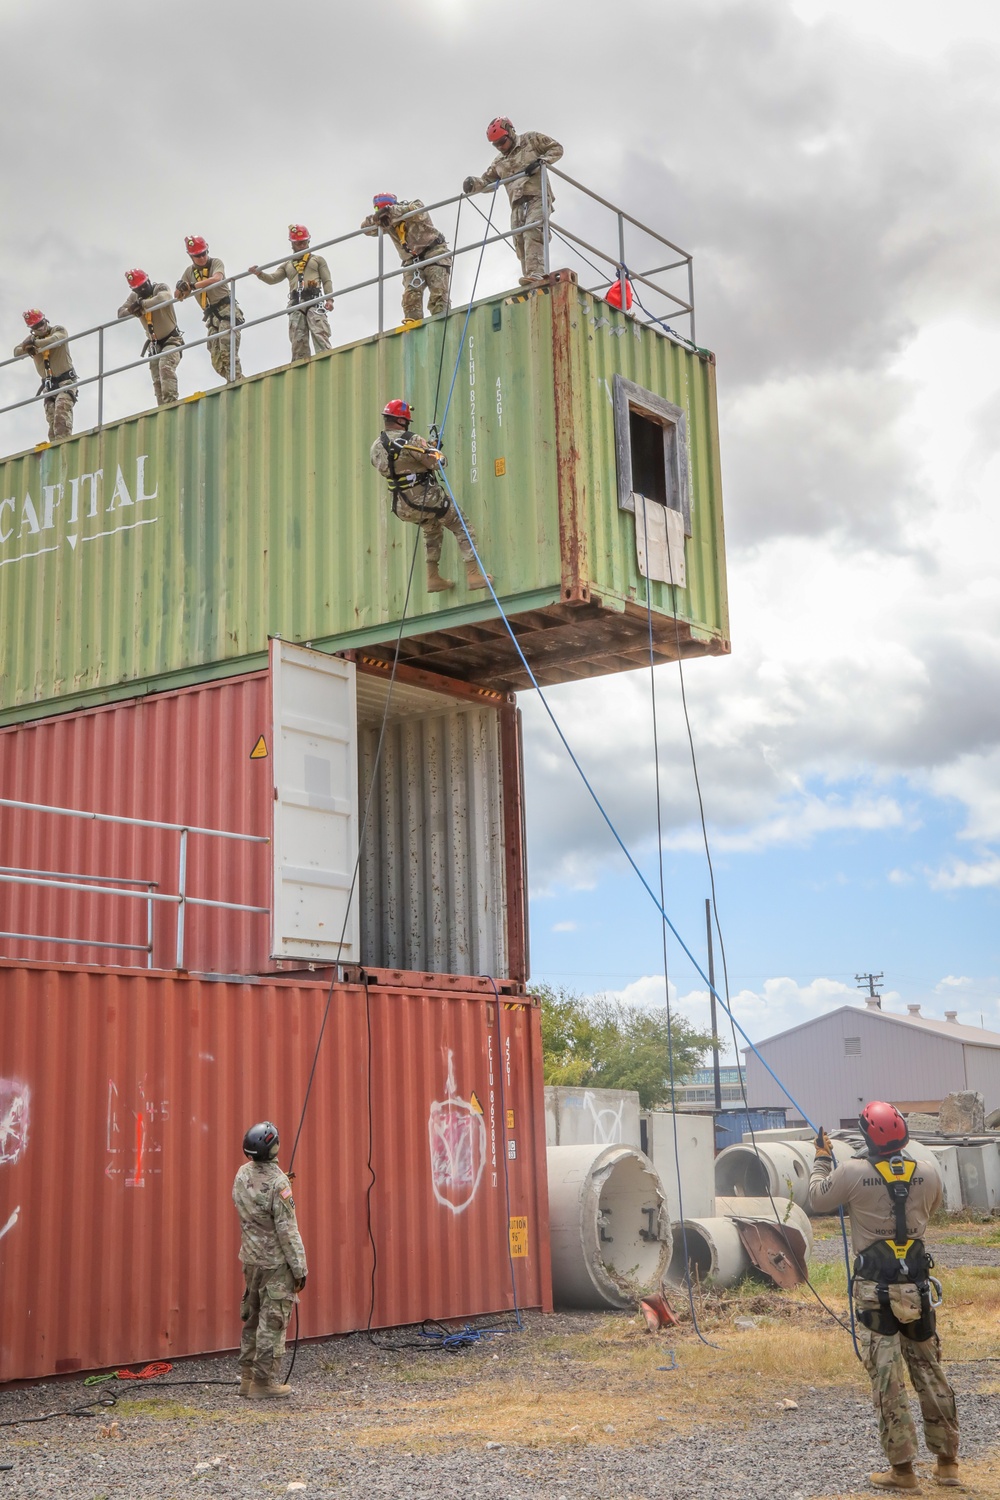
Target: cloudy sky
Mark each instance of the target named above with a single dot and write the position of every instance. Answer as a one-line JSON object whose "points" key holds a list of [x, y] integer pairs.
{"points": [[833, 166]]}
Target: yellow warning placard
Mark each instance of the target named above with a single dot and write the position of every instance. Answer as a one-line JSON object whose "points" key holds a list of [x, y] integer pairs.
{"points": [[499, 467], [259, 751], [519, 1237], [510, 1119], [475, 1104]]}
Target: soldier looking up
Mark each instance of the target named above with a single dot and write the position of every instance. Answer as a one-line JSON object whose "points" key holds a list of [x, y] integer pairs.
{"points": [[153, 304], [274, 1262], [409, 227], [308, 277], [206, 278], [409, 463], [890, 1197], [46, 343], [520, 154]]}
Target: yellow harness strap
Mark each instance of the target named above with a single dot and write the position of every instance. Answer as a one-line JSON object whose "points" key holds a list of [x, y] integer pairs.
{"points": [[202, 273], [892, 1172]]}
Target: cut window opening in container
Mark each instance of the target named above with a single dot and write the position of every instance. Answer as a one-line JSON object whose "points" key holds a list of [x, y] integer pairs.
{"points": [[651, 449]]}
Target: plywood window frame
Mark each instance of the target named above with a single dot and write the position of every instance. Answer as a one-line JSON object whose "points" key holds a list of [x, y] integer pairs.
{"points": [[627, 397]]}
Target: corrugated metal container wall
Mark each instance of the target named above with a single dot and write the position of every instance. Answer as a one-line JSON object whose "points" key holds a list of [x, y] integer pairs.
{"points": [[441, 879], [125, 1098], [175, 543]]}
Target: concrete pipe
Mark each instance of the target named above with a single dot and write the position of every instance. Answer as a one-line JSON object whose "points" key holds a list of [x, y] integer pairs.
{"points": [[781, 1167], [761, 1208], [716, 1255], [608, 1226]]}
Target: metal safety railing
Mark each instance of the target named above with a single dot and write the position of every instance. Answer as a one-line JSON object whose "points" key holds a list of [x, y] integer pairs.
{"points": [[614, 263], [108, 885]]}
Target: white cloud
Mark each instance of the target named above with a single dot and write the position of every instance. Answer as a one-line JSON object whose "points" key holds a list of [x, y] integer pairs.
{"points": [[564, 926], [953, 982], [961, 874]]}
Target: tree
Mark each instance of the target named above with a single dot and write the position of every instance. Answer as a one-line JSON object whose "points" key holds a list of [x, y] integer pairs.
{"points": [[602, 1043]]}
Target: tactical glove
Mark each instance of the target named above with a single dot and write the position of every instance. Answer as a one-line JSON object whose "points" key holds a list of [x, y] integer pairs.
{"points": [[532, 168], [824, 1147], [469, 185], [298, 1283]]}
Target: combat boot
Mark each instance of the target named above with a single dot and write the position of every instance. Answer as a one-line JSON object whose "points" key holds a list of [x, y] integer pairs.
{"points": [[475, 578], [261, 1390], [435, 583], [246, 1381], [945, 1471], [899, 1477]]}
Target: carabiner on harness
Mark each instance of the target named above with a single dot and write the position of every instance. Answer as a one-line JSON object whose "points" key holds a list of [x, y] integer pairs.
{"points": [[933, 1281]]}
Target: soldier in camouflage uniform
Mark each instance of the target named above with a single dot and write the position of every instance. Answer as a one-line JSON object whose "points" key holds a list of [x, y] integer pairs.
{"points": [[308, 276], [520, 153], [46, 345], [152, 302], [409, 463], [409, 227], [205, 277], [274, 1262], [890, 1198]]}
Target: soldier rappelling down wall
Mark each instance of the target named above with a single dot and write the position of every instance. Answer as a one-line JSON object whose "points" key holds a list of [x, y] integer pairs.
{"points": [[46, 343], [206, 278], [890, 1199], [409, 463], [308, 278], [274, 1261], [152, 302], [416, 238], [520, 153]]}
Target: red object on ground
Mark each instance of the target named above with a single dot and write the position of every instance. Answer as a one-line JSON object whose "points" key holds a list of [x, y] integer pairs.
{"points": [[657, 1312]]}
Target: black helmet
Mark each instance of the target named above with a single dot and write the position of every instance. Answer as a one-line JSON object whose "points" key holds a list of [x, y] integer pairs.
{"points": [[261, 1142]]}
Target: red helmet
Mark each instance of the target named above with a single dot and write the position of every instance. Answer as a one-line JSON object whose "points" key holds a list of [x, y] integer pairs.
{"points": [[613, 295], [883, 1128], [33, 317], [195, 244], [298, 233], [400, 411], [499, 129], [384, 200], [136, 278]]}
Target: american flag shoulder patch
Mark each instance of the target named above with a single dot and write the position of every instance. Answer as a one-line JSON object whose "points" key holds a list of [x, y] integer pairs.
{"points": [[286, 1192]]}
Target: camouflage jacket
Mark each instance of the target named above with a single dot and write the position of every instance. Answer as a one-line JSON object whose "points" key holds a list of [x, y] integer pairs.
{"points": [[529, 147], [156, 313], [413, 238], [855, 1185], [60, 359], [417, 458], [217, 293], [263, 1197], [313, 269]]}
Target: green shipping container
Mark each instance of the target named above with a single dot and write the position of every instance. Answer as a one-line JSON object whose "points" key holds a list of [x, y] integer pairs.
{"points": [[166, 548]]}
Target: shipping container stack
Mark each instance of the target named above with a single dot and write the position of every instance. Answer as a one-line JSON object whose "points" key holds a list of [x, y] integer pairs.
{"points": [[199, 616]]}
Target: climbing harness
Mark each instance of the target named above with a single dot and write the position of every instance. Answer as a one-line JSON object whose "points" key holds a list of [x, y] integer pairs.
{"points": [[402, 486]]}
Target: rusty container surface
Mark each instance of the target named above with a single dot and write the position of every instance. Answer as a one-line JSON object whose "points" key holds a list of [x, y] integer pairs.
{"points": [[124, 1097], [440, 884], [169, 546]]}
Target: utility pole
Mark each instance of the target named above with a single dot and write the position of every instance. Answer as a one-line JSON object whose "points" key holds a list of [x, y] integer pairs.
{"points": [[870, 982], [715, 1019]]}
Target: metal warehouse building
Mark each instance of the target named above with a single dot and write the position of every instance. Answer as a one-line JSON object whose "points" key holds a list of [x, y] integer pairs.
{"points": [[835, 1064]]}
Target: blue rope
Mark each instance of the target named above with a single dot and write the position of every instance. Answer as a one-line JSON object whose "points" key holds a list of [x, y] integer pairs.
{"points": [[468, 315]]}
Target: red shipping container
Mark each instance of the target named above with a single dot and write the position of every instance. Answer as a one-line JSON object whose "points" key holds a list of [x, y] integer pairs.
{"points": [[123, 1101]]}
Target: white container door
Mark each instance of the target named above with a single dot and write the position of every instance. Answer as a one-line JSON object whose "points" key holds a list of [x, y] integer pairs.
{"points": [[315, 820]]}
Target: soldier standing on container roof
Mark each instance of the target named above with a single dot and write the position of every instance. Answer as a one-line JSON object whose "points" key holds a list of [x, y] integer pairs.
{"points": [[409, 463], [415, 237], [520, 154], [152, 302], [46, 343], [308, 276], [890, 1198], [206, 278], [274, 1262]]}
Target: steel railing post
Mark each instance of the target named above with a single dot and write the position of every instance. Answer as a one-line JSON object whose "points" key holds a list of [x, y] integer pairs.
{"points": [[100, 378], [232, 328], [691, 302], [545, 219], [621, 263], [182, 893], [381, 282], [150, 908]]}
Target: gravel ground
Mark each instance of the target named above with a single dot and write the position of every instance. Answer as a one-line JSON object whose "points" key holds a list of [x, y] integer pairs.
{"points": [[344, 1384]]}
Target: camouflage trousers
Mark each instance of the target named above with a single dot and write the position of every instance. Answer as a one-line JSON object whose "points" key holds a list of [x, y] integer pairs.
{"points": [[884, 1357], [437, 280], [163, 371], [218, 349], [434, 526], [302, 323], [265, 1311], [59, 413], [529, 243]]}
